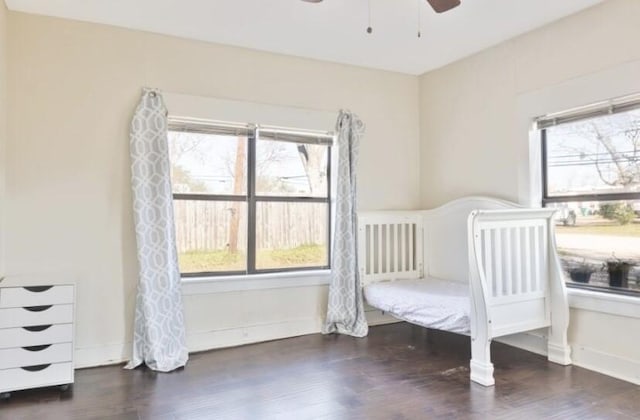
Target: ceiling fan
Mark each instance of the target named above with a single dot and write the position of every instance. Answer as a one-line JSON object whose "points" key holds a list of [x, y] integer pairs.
{"points": [[439, 6]]}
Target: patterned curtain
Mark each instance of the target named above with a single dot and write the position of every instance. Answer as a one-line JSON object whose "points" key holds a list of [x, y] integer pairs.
{"points": [[159, 336], [345, 312]]}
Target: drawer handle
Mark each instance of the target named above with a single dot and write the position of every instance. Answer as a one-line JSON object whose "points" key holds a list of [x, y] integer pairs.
{"points": [[37, 348], [36, 328], [38, 289], [35, 368], [37, 308]]}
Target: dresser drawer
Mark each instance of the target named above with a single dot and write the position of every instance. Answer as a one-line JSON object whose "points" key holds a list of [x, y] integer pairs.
{"points": [[12, 297], [36, 376], [36, 315], [35, 355], [35, 336]]}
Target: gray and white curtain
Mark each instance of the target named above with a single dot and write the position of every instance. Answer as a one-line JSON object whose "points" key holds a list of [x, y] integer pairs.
{"points": [[159, 332], [345, 312]]}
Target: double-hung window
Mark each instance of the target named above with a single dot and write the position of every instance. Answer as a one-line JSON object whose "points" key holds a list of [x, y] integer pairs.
{"points": [[591, 174], [250, 198]]}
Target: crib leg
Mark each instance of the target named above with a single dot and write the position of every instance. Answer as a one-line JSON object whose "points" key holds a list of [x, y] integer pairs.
{"points": [[481, 366], [558, 349]]}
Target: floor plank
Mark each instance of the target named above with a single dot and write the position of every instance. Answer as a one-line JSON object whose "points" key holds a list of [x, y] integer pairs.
{"points": [[399, 371]]}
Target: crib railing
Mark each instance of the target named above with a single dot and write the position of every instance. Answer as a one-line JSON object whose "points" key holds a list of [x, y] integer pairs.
{"points": [[510, 254], [391, 246], [513, 256]]}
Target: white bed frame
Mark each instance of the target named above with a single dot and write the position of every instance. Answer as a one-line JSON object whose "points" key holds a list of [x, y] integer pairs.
{"points": [[506, 253]]}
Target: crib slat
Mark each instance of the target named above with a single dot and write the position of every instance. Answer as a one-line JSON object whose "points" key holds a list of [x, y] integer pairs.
{"points": [[527, 260], [380, 247], [508, 269], [488, 260], [545, 257], [387, 245], [372, 241], [498, 262], [394, 248], [400, 247], [365, 263], [518, 269], [536, 259], [377, 247], [411, 242]]}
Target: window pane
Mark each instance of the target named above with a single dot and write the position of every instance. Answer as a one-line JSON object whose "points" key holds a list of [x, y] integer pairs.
{"points": [[599, 155], [290, 169], [208, 163], [291, 235], [589, 234], [211, 235]]}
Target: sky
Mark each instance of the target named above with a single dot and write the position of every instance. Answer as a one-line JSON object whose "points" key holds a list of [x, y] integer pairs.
{"points": [[573, 148], [211, 160]]}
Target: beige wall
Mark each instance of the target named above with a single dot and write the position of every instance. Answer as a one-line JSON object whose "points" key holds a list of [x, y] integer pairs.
{"points": [[3, 123], [73, 89], [473, 140], [468, 110]]}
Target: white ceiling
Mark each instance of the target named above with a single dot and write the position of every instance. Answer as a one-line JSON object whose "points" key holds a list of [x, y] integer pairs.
{"points": [[334, 30]]}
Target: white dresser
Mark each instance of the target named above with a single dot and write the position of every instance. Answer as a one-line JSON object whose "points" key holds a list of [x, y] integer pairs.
{"points": [[36, 336]]}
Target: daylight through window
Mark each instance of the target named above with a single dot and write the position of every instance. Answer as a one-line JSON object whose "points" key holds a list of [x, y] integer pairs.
{"points": [[249, 199], [591, 174]]}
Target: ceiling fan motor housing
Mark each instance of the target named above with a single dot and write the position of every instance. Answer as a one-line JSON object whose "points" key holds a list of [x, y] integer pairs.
{"points": [[441, 6]]}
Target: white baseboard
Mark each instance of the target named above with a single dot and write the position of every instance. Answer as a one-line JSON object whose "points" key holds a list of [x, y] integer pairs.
{"points": [[607, 364], [533, 341], [108, 354], [595, 360], [216, 339]]}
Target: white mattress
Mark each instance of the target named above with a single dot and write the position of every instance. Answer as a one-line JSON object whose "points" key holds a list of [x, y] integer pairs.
{"points": [[431, 303]]}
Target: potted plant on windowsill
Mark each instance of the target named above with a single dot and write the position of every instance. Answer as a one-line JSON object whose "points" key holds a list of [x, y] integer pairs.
{"points": [[618, 271], [582, 272]]}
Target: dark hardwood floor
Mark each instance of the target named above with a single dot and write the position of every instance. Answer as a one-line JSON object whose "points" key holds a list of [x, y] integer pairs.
{"points": [[397, 372]]}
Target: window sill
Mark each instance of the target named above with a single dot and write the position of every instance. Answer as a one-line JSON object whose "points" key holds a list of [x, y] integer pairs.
{"points": [[235, 283], [607, 303]]}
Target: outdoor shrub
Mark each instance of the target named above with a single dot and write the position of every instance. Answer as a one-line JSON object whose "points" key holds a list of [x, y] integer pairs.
{"points": [[624, 214], [608, 210]]}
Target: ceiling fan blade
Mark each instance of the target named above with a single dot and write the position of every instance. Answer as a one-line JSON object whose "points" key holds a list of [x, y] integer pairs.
{"points": [[443, 5]]}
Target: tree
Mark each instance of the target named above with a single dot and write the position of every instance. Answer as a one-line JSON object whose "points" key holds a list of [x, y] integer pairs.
{"points": [[611, 145], [238, 185], [314, 161], [184, 182], [625, 160], [181, 144], [312, 157]]}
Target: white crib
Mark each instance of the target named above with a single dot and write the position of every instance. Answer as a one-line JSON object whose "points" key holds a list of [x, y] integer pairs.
{"points": [[476, 265]]}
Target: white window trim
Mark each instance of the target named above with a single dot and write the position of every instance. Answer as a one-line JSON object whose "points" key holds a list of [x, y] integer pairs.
{"points": [[241, 282], [607, 303], [615, 82], [612, 82], [270, 114]]}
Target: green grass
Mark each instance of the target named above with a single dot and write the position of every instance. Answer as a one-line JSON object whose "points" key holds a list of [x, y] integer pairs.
{"points": [[222, 260], [632, 229], [219, 260], [304, 255]]}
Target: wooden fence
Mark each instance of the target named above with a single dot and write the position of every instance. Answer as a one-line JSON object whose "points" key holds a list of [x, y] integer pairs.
{"points": [[206, 225]]}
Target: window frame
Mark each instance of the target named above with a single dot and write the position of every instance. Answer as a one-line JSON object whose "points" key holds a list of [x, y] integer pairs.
{"points": [[543, 125], [252, 199]]}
